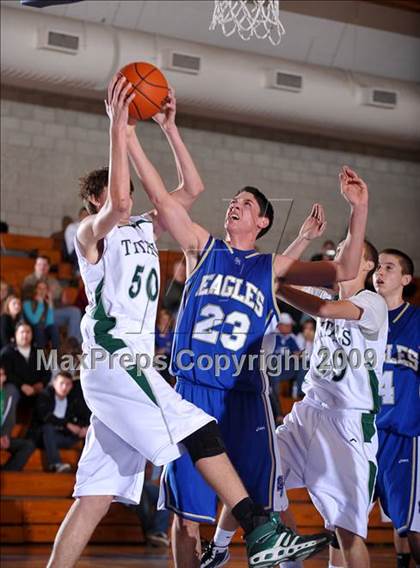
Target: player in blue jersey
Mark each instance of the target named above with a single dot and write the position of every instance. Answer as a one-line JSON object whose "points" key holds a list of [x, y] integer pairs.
{"points": [[226, 314], [398, 484]]}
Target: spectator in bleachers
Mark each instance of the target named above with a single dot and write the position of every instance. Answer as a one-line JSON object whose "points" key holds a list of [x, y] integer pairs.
{"points": [[163, 340], [39, 312], [4, 291], [59, 235], [60, 420], [174, 289], [20, 363], [20, 449], [68, 316], [69, 235], [327, 251], [11, 314], [4, 227], [287, 360]]}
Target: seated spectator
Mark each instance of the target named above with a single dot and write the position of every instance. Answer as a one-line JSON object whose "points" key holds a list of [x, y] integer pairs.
{"points": [[163, 340], [59, 235], [154, 523], [4, 227], [4, 292], [68, 316], [11, 314], [327, 252], [69, 236], [39, 312], [20, 363], [174, 289], [60, 420], [20, 449]]}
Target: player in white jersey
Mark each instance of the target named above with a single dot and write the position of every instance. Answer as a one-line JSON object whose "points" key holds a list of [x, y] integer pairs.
{"points": [[136, 415], [328, 442]]}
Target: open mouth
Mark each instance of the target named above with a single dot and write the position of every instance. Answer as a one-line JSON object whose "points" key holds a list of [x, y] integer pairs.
{"points": [[234, 217]]}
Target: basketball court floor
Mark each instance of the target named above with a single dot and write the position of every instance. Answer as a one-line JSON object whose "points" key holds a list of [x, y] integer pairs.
{"points": [[145, 557]]}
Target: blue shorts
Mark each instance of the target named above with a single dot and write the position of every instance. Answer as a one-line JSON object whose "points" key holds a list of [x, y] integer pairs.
{"points": [[247, 427], [398, 481]]}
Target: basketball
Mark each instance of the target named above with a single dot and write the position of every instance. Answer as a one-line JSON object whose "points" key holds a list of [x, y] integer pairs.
{"points": [[150, 86]]}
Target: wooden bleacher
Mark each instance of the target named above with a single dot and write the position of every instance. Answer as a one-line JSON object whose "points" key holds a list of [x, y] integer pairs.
{"points": [[33, 504]]}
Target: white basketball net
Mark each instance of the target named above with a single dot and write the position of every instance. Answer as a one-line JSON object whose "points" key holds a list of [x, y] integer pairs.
{"points": [[259, 18]]}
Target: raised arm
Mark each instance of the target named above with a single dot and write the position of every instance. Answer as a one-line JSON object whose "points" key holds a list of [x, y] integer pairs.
{"points": [[319, 307], [346, 265], [312, 228], [118, 200], [172, 215], [190, 184]]}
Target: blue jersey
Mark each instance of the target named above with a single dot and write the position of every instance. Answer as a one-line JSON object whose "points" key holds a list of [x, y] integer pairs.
{"points": [[400, 388], [226, 320]]}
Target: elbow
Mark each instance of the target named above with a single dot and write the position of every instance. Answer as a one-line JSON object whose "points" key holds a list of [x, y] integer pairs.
{"points": [[322, 310], [197, 189], [345, 272], [121, 206]]}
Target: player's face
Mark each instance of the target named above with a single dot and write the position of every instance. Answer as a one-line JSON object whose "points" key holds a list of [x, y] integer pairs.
{"points": [[243, 214], [388, 277]]}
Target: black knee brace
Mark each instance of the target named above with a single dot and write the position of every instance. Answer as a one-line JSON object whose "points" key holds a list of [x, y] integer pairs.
{"points": [[205, 442]]}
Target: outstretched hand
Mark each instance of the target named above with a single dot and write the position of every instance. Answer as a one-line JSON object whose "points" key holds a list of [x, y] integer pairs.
{"points": [[166, 118], [353, 188], [118, 101], [314, 225]]}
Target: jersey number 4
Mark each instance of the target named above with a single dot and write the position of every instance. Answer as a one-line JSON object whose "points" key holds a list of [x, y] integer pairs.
{"points": [[386, 388], [214, 316]]}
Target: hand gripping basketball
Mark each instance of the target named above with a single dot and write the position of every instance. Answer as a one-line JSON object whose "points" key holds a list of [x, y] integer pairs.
{"points": [[150, 89]]}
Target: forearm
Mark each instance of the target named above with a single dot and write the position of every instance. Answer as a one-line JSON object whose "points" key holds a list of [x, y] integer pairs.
{"points": [[348, 261], [119, 173], [148, 174], [307, 303], [191, 184], [297, 248]]}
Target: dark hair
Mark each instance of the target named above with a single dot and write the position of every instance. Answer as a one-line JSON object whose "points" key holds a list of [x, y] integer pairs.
{"points": [[21, 323], [371, 253], [407, 265], [44, 256], [64, 374], [93, 184], [266, 209]]}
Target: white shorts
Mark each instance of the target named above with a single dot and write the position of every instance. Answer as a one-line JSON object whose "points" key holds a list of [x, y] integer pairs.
{"points": [[135, 417], [333, 454]]}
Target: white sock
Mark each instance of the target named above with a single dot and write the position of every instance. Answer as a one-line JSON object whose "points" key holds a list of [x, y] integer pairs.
{"points": [[333, 566], [291, 564], [222, 538]]}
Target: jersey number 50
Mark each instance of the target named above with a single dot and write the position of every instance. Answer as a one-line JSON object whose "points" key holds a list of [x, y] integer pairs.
{"points": [[204, 330]]}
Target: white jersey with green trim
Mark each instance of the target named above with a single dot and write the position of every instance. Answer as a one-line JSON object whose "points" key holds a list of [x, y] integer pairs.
{"points": [[122, 289], [348, 356]]}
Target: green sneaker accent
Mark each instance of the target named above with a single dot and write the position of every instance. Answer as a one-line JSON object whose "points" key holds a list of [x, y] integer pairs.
{"points": [[271, 543]]}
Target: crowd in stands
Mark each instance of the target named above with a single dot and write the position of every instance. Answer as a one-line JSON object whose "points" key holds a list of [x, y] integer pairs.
{"points": [[41, 317]]}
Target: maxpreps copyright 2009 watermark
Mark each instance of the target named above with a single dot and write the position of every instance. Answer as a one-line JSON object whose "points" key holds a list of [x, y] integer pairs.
{"points": [[273, 364]]}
